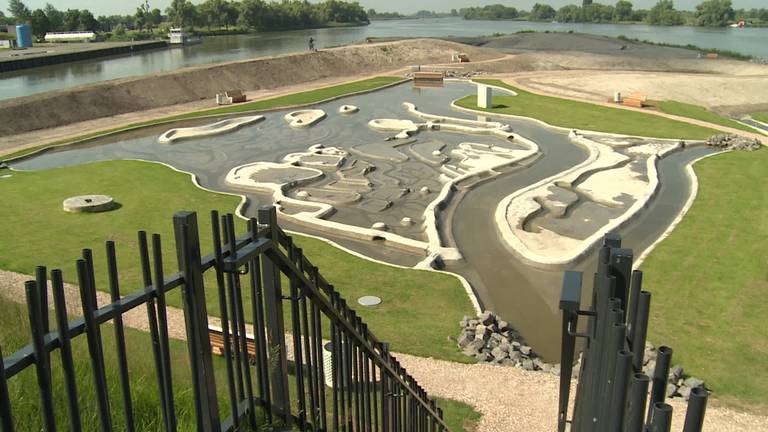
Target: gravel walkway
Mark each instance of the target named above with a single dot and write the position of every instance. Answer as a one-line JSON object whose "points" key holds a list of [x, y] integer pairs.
{"points": [[509, 399]]}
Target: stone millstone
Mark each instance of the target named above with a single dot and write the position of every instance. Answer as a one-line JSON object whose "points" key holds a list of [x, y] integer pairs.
{"points": [[88, 203], [369, 301]]}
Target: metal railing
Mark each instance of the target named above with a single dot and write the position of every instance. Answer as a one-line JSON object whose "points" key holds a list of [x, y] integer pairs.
{"points": [[612, 394], [277, 368]]}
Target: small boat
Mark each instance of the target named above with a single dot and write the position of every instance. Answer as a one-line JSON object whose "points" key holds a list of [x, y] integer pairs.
{"points": [[178, 37]]}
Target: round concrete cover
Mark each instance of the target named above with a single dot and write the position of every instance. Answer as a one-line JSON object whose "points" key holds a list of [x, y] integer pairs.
{"points": [[88, 203], [369, 300]]}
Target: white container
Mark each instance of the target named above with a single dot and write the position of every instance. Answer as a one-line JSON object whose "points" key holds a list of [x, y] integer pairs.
{"points": [[617, 97]]}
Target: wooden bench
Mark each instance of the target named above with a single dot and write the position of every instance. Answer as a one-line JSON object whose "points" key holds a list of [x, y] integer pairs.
{"points": [[428, 76], [636, 100], [217, 342]]}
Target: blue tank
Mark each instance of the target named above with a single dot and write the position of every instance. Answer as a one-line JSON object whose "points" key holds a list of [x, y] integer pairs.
{"points": [[23, 36]]}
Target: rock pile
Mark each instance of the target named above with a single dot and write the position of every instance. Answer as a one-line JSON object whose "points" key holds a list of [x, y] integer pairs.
{"points": [[492, 340], [678, 385], [733, 142]]}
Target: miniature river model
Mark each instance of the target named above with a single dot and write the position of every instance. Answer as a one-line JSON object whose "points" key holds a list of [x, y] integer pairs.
{"points": [[400, 176]]}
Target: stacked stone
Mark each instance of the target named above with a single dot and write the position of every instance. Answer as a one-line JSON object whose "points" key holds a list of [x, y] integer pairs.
{"points": [[678, 386], [734, 142], [493, 341]]}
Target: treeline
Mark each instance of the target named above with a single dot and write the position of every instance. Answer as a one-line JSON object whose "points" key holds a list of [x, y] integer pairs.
{"points": [[709, 13], [246, 15]]}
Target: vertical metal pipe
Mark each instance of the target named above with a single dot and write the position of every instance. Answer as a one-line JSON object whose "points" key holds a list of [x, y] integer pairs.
{"points": [[87, 297], [240, 322], [234, 318], [42, 367], [257, 307], [634, 297], [298, 355], [636, 406], [122, 360], [224, 313], [661, 418], [67, 365], [660, 376], [570, 303], [273, 296], [152, 324], [697, 405], [618, 401], [6, 419], [162, 321], [641, 329], [196, 319]]}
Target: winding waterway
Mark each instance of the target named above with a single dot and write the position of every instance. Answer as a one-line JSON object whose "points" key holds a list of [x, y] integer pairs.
{"points": [[524, 295], [230, 48]]}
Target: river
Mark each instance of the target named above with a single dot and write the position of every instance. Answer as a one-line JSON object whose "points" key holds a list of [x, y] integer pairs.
{"points": [[229, 48]]}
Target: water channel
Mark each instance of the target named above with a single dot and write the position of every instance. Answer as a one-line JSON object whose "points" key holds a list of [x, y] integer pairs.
{"points": [[525, 295], [230, 48]]}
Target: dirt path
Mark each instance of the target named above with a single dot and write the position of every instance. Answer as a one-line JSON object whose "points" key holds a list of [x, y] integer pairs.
{"points": [[509, 399]]}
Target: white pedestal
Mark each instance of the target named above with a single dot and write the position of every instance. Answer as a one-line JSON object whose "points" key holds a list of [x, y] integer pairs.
{"points": [[484, 97]]}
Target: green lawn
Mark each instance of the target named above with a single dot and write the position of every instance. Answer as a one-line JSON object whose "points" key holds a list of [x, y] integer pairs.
{"points": [[419, 310], [26, 406], [700, 113], [302, 98], [761, 116], [581, 115], [709, 283]]}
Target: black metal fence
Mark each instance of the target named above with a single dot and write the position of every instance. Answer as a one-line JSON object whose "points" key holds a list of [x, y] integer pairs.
{"points": [[367, 390], [612, 394]]}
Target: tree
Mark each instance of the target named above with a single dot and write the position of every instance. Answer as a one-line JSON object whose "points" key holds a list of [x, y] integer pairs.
{"points": [[542, 12], [86, 21], [40, 23], [252, 14], [714, 13], [181, 12], [622, 11], [19, 10], [568, 13], [664, 13], [154, 18], [55, 17]]}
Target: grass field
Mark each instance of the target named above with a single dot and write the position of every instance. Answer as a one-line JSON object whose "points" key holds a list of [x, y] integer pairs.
{"points": [[419, 310], [762, 117], [581, 115], [699, 113], [709, 283], [302, 98], [26, 407]]}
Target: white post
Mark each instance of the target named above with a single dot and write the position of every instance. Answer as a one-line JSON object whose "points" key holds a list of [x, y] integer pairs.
{"points": [[484, 96]]}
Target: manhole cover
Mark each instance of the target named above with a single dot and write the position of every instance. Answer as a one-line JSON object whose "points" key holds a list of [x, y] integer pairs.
{"points": [[369, 300]]}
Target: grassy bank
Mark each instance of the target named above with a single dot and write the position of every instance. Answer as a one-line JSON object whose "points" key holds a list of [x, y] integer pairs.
{"points": [[301, 98], [699, 113], [26, 409], [709, 283], [761, 117], [419, 310], [581, 115]]}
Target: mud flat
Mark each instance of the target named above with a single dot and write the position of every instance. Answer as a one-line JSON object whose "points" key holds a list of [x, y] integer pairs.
{"points": [[220, 127]]}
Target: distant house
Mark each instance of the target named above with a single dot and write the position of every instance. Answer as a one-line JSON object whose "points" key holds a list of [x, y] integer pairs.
{"points": [[73, 36]]}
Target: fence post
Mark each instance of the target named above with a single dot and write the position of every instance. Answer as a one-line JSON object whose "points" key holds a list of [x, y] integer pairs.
{"points": [[273, 298], [196, 320]]}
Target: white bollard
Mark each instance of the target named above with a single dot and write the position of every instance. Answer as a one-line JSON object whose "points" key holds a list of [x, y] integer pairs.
{"points": [[484, 97]]}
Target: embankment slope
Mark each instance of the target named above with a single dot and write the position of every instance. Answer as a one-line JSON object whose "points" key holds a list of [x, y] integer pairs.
{"points": [[197, 83]]}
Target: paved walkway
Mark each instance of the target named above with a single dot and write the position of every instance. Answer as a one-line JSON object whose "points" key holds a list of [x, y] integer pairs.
{"points": [[509, 399]]}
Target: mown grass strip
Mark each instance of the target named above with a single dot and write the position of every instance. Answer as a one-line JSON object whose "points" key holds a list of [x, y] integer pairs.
{"points": [[699, 113], [582, 115], [709, 285]]}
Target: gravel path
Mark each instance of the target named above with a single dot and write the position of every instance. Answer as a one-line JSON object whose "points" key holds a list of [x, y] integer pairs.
{"points": [[509, 399]]}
